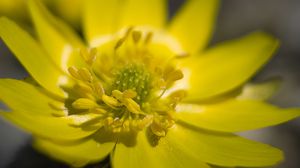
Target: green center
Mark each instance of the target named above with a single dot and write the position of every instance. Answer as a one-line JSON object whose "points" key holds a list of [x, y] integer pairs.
{"points": [[136, 78]]}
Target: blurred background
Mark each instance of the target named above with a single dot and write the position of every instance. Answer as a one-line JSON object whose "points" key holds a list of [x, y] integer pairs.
{"points": [[236, 17]]}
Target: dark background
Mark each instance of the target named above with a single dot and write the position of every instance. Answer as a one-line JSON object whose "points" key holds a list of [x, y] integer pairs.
{"points": [[237, 17]]}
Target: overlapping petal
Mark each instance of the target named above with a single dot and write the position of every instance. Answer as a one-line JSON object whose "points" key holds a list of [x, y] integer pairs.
{"points": [[194, 23], [235, 115], [100, 20], [31, 111], [77, 154], [144, 13], [227, 66], [221, 149], [145, 153], [58, 39], [22, 96], [260, 91], [32, 57], [48, 127]]}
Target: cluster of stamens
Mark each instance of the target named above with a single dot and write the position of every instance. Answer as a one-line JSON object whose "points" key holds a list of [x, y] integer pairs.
{"points": [[125, 91]]}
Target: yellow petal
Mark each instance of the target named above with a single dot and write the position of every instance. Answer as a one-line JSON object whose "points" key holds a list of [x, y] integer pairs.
{"points": [[32, 57], [20, 96], [144, 153], [260, 91], [14, 9], [228, 65], [151, 13], [75, 154], [52, 128], [58, 39], [100, 19], [222, 149], [194, 23], [70, 13], [235, 115]]}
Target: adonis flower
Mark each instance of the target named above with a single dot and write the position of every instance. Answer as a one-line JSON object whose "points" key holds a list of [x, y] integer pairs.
{"points": [[142, 90]]}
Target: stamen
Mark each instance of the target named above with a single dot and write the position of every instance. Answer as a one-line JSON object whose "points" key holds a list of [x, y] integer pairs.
{"points": [[99, 90], [157, 129], [84, 104], [178, 95], [85, 74], [81, 87], [126, 99], [149, 37], [124, 91], [136, 36], [99, 111], [129, 94], [119, 43], [110, 101], [123, 39], [145, 122], [74, 72], [173, 76], [89, 56], [132, 106]]}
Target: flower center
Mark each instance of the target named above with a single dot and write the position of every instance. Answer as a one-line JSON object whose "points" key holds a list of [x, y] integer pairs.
{"points": [[136, 78], [123, 86]]}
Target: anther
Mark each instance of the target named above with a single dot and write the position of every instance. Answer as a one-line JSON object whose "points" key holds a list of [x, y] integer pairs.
{"points": [[149, 37], [84, 104], [157, 130], [129, 94], [110, 101], [74, 72], [123, 39], [98, 111], [85, 74], [132, 106], [99, 90], [81, 87], [89, 56], [178, 95], [145, 122], [119, 43], [136, 36], [174, 76]]}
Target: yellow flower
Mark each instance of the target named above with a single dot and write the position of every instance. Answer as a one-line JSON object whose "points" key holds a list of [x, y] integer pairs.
{"points": [[142, 90]]}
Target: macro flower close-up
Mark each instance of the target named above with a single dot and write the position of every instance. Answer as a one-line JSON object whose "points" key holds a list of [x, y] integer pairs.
{"points": [[145, 90]]}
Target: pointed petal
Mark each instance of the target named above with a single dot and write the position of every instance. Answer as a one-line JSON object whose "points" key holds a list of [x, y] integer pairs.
{"points": [[144, 154], [235, 115], [19, 96], [100, 19], [70, 13], [144, 13], [228, 65], [32, 57], [260, 91], [58, 39], [52, 128], [75, 154], [222, 149], [194, 23]]}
